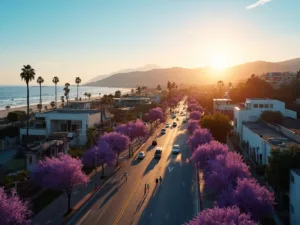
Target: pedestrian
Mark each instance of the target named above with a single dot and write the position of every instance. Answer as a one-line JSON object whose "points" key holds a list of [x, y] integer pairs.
{"points": [[156, 181], [160, 179], [126, 175], [145, 189], [148, 187]]}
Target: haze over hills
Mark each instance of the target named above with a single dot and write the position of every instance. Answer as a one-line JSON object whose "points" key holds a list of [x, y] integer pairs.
{"points": [[154, 77], [143, 68]]}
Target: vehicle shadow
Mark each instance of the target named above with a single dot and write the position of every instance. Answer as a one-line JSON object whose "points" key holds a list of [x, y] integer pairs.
{"points": [[150, 148], [151, 165], [135, 161]]}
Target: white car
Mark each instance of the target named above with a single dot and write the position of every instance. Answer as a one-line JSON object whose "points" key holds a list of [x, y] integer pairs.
{"points": [[175, 149], [141, 155], [167, 125]]}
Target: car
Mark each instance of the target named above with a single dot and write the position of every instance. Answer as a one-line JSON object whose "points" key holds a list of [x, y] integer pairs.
{"points": [[174, 124], [175, 149], [158, 153], [184, 120], [154, 142], [167, 125], [141, 155], [163, 131], [173, 116]]}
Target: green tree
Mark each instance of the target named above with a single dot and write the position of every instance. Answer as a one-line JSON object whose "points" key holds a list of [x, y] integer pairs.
{"points": [[12, 117], [92, 136], [158, 88], [67, 92], [62, 98], [220, 85], [27, 75], [39, 107], [40, 80], [272, 117], [218, 124], [279, 166], [52, 103], [77, 81], [118, 94], [89, 96], [55, 80], [138, 90]]}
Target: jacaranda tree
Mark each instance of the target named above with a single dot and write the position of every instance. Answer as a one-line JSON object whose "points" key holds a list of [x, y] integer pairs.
{"points": [[250, 197], [223, 172], [99, 155], [199, 137], [222, 216], [207, 152], [156, 114], [117, 142], [13, 210], [193, 125], [62, 173], [195, 115]]}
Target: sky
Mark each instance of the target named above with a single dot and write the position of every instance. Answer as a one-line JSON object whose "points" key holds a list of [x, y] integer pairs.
{"points": [[92, 37]]}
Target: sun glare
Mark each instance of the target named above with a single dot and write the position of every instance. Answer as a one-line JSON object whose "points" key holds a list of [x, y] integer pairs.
{"points": [[218, 61]]}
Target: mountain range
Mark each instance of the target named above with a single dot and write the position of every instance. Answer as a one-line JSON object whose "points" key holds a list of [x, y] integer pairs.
{"points": [[153, 77]]}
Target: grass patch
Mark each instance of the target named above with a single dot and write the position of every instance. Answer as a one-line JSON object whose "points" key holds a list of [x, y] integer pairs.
{"points": [[44, 199], [16, 164]]}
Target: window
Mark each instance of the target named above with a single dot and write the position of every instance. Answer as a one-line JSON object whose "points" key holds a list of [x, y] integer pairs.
{"points": [[255, 106], [271, 106], [292, 179], [266, 105], [292, 209], [261, 105]]}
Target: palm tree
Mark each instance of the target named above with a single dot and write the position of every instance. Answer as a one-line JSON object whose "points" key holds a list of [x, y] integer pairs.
{"points": [[40, 80], [230, 85], [89, 95], [27, 75], [77, 81], [158, 88], [55, 80], [220, 85], [85, 94], [52, 103], [132, 92], [67, 91], [62, 98], [139, 90]]}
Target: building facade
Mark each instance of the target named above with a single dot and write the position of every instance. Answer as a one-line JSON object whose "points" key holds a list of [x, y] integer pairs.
{"points": [[277, 78]]}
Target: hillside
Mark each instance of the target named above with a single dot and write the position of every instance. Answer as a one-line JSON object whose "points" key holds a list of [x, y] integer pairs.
{"points": [[195, 76]]}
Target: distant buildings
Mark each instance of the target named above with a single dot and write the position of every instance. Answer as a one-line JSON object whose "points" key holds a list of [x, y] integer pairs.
{"points": [[277, 78], [224, 106], [137, 100], [294, 197]]}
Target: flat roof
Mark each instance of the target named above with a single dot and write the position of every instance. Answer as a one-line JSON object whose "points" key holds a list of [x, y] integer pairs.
{"points": [[268, 134], [132, 98], [291, 124], [297, 171], [72, 111]]}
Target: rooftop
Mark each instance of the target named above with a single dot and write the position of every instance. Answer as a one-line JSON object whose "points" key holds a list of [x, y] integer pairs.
{"points": [[297, 171], [73, 111], [132, 98], [291, 124], [271, 136]]}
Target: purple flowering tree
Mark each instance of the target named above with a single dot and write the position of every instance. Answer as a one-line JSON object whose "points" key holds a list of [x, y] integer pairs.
{"points": [[117, 142], [199, 137], [207, 152], [223, 172], [250, 197], [165, 106], [100, 154], [194, 107], [156, 114], [62, 173], [220, 216], [195, 115], [12, 209], [193, 125]]}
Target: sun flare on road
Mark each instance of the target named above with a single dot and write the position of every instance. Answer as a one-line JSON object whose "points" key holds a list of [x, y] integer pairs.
{"points": [[218, 61]]}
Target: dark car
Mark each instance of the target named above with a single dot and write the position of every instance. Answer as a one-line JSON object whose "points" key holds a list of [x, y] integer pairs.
{"points": [[154, 142], [158, 153], [174, 124]]}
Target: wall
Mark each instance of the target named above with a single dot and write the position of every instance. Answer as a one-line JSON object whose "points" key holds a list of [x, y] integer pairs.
{"points": [[294, 199], [286, 132], [290, 113], [94, 119]]}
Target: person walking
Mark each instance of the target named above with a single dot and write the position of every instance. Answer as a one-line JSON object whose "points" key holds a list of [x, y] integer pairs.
{"points": [[126, 175], [156, 181], [160, 179], [146, 186]]}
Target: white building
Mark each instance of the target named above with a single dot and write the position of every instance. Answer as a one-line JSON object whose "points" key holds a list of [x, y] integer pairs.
{"points": [[253, 108], [295, 197], [222, 105], [277, 78], [74, 122]]}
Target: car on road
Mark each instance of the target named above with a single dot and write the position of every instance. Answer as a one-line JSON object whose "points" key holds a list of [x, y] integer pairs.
{"points": [[167, 125], [163, 131], [184, 120], [158, 153], [175, 149], [154, 142], [141, 155], [174, 124], [173, 116]]}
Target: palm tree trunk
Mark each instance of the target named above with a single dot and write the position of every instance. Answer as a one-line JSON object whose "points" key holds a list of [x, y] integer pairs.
{"points": [[55, 95], [27, 132], [77, 92], [41, 93]]}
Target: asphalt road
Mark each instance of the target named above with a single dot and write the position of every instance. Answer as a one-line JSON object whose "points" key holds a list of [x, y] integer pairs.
{"points": [[171, 203]]}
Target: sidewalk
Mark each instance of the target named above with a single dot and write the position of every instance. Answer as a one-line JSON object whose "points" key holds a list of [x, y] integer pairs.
{"points": [[53, 214]]}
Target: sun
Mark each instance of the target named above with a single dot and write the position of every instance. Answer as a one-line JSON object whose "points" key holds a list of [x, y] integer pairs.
{"points": [[218, 61]]}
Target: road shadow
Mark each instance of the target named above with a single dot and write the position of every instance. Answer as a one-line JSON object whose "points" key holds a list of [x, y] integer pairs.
{"points": [[151, 165], [135, 161], [151, 147], [112, 193]]}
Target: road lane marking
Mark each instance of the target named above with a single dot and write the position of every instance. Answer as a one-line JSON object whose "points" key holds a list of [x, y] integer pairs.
{"points": [[170, 169], [126, 203]]}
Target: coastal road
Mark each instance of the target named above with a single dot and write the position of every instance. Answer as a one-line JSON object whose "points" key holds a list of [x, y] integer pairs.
{"points": [[170, 203]]}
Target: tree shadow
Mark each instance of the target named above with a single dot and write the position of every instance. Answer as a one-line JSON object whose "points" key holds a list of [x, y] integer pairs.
{"points": [[112, 193], [151, 165]]}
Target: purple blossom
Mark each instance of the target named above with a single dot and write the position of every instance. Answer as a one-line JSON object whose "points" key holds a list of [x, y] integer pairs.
{"points": [[221, 216], [224, 171], [199, 137], [193, 125], [207, 152], [250, 197], [195, 115], [156, 114], [12, 209], [61, 173]]}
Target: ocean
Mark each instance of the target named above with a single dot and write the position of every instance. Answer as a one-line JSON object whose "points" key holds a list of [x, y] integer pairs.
{"points": [[16, 96]]}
